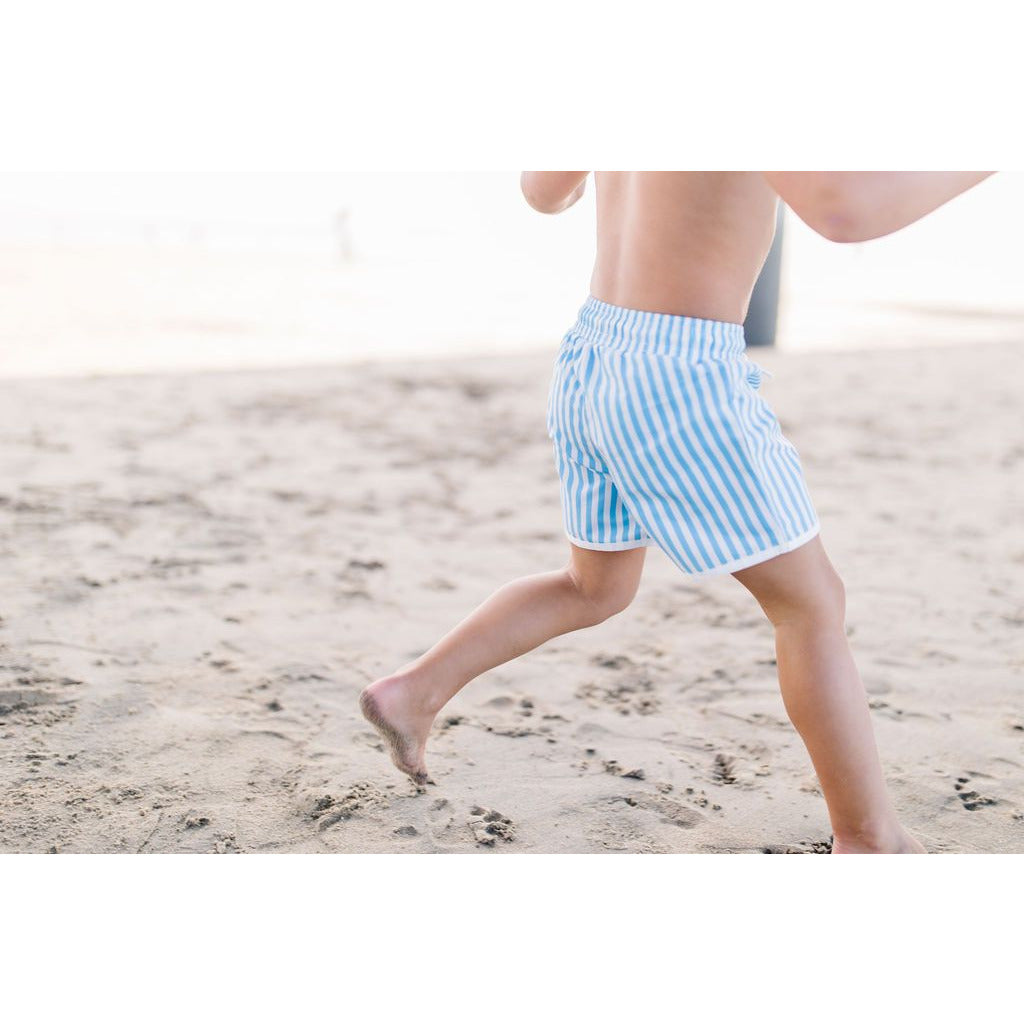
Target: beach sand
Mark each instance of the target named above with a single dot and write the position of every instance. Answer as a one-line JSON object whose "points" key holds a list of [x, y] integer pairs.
{"points": [[201, 571]]}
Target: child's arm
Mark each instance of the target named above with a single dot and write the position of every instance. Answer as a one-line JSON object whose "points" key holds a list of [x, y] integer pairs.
{"points": [[552, 191], [854, 206]]}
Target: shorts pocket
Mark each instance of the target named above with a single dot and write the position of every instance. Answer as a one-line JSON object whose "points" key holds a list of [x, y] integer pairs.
{"points": [[755, 373]]}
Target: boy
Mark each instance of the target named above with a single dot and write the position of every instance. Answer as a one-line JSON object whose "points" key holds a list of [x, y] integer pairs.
{"points": [[661, 437]]}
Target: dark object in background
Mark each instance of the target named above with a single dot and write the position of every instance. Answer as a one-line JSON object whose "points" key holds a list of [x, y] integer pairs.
{"points": [[763, 312]]}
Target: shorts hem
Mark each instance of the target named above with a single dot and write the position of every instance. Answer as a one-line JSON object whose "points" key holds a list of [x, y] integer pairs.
{"points": [[610, 545], [761, 556]]}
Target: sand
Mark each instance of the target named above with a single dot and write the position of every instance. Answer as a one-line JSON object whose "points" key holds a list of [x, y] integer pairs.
{"points": [[202, 571]]}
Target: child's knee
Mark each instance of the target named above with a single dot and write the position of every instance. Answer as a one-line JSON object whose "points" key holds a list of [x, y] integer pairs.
{"points": [[603, 597]]}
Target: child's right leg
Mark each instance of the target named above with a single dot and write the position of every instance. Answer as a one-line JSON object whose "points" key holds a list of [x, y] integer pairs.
{"points": [[515, 619]]}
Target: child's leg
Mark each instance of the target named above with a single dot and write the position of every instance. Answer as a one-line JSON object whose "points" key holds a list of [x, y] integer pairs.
{"points": [[515, 619], [803, 596]]}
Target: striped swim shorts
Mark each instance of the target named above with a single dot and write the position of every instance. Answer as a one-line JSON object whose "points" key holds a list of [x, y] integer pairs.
{"points": [[661, 437]]}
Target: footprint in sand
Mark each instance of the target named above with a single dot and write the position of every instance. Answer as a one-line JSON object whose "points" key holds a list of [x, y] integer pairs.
{"points": [[625, 837], [805, 846], [488, 826], [23, 700], [36, 707], [970, 798], [227, 843], [440, 817], [612, 767], [701, 799], [723, 771], [627, 697], [326, 809], [510, 726], [674, 813], [630, 693], [669, 811]]}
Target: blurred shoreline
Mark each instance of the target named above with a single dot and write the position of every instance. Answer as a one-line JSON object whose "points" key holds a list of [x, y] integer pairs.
{"points": [[87, 309]]}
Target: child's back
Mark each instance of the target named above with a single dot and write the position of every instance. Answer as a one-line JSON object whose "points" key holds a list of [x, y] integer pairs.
{"points": [[682, 242]]}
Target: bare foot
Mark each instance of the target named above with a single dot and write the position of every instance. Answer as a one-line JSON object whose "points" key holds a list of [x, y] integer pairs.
{"points": [[901, 842], [393, 707]]}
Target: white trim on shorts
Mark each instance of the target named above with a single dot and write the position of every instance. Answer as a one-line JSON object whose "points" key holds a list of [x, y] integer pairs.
{"points": [[718, 570], [611, 545]]}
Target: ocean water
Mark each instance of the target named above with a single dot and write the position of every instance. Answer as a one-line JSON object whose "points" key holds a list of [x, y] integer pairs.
{"points": [[111, 273]]}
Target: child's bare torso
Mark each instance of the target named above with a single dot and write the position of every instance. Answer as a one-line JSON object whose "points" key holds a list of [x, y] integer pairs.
{"points": [[684, 242]]}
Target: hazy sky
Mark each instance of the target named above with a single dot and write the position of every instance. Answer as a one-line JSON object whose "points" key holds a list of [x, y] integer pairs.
{"points": [[439, 260]]}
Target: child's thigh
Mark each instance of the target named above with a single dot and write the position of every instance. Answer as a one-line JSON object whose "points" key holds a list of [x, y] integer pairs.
{"points": [[803, 582]]}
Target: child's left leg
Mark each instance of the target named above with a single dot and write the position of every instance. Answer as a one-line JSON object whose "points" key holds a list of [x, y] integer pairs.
{"points": [[804, 598], [516, 618]]}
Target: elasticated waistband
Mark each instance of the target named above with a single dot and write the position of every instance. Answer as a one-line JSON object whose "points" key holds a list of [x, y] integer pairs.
{"points": [[601, 323]]}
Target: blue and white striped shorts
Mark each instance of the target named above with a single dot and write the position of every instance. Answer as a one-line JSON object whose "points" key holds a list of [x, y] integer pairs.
{"points": [[661, 437]]}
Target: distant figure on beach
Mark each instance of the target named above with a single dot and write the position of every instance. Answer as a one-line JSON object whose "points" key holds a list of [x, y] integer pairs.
{"points": [[661, 436], [343, 232]]}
